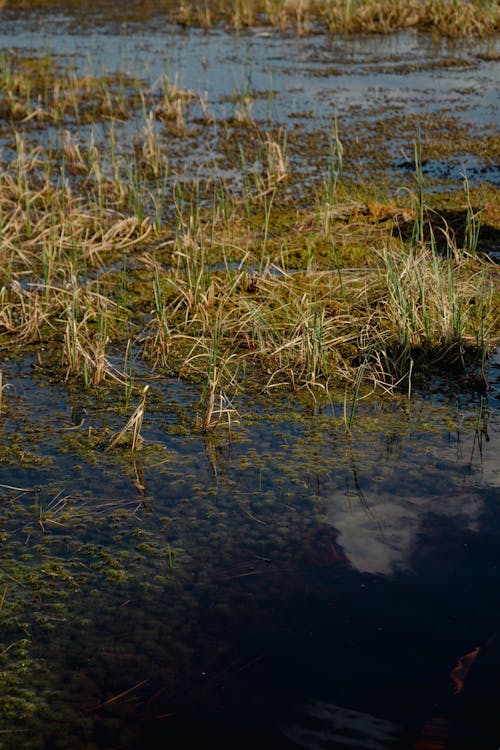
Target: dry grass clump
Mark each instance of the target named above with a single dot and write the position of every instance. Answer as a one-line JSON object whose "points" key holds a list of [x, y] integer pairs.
{"points": [[434, 307], [462, 18], [229, 302], [306, 329], [40, 91], [54, 214], [105, 259], [50, 240], [450, 17]]}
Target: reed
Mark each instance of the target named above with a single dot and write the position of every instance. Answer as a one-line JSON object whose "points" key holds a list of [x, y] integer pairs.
{"points": [[349, 421], [472, 224], [3, 387], [55, 512], [106, 258], [453, 18], [220, 381], [131, 432], [418, 234], [450, 17], [86, 336], [431, 304]]}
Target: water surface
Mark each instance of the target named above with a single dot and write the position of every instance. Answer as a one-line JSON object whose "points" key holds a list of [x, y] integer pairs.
{"points": [[289, 585]]}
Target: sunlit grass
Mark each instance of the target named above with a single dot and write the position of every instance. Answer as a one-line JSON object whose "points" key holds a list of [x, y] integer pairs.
{"points": [[104, 253], [300, 326], [450, 17]]}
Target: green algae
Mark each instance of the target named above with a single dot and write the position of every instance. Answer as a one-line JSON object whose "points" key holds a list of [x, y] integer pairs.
{"points": [[167, 524]]}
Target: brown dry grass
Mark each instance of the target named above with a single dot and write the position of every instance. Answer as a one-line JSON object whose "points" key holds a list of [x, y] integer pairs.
{"points": [[289, 326], [99, 264], [455, 18]]}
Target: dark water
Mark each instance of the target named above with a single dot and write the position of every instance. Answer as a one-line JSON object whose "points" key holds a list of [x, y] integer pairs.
{"points": [[321, 589], [289, 586]]}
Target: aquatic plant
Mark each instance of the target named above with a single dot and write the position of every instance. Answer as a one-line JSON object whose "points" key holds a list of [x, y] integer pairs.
{"points": [[450, 17], [132, 427], [268, 289], [228, 285], [348, 16]]}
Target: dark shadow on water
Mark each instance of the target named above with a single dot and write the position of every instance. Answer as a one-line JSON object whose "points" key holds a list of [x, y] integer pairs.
{"points": [[313, 656]]}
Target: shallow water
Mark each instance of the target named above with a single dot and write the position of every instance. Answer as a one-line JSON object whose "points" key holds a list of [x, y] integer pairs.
{"points": [[368, 82], [290, 585]]}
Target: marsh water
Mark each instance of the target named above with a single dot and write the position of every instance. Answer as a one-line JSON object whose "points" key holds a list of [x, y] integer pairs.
{"points": [[290, 584]]}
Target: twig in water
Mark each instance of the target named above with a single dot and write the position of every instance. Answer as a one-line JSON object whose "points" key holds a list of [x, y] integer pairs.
{"points": [[133, 425], [118, 696]]}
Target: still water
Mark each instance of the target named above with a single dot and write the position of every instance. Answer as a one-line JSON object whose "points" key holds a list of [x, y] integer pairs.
{"points": [[286, 586], [371, 84], [289, 587]]}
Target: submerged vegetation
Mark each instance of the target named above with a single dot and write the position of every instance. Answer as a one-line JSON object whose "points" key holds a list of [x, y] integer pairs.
{"points": [[145, 240]]}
